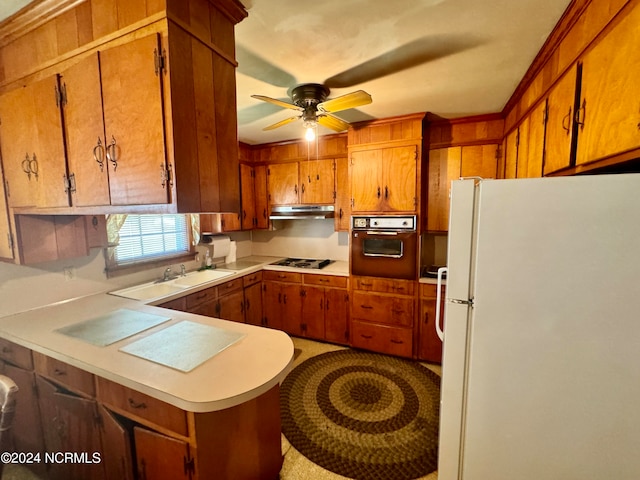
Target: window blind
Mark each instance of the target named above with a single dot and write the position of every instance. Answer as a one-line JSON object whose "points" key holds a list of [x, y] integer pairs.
{"points": [[149, 237]]}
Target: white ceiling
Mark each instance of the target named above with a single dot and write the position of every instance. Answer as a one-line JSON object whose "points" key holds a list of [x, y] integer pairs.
{"points": [[449, 57]]}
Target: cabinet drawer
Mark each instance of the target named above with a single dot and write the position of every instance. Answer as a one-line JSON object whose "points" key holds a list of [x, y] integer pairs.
{"points": [[325, 280], [16, 354], [68, 376], [382, 338], [201, 297], [384, 285], [230, 286], [387, 309], [177, 304], [252, 279], [282, 276], [429, 290], [125, 400]]}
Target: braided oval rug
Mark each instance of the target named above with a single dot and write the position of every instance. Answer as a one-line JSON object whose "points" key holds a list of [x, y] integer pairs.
{"points": [[363, 415]]}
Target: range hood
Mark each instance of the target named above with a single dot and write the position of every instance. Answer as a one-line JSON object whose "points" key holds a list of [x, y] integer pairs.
{"points": [[301, 212]]}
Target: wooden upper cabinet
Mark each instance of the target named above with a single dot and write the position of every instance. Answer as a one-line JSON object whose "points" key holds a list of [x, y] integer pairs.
{"points": [[283, 183], [305, 182], [261, 196], [86, 149], [444, 167], [511, 154], [343, 207], [247, 187], [134, 122], [32, 145], [479, 161], [609, 108], [531, 151], [317, 181], [384, 180], [6, 234], [560, 125]]}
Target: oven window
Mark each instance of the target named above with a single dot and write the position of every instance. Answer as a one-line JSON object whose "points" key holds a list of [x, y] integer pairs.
{"points": [[382, 247]]}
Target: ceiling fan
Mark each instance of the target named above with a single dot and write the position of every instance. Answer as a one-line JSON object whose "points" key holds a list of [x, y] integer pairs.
{"points": [[310, 99]]}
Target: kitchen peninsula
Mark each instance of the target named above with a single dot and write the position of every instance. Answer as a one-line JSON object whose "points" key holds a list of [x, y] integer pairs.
{"points": [[219, 420]]}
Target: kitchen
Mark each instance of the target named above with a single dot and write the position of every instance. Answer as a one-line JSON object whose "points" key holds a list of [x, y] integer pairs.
{"points": [[450, 144]]}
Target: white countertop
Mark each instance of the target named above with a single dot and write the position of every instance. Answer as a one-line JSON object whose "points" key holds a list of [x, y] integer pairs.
{"points": [[245, 370], [239, 373]]}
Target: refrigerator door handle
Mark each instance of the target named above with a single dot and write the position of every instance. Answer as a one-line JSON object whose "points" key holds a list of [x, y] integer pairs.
{"points": [[439, 329]]}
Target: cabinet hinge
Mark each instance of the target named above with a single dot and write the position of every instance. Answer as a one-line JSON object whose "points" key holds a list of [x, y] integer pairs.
{"points": [[498, 152], [159, 60], [10, 241], [69, 183], [303, 292], [518, 137], [61, 95], [165, 176], [334, 195], [6, 188], [352, 202], [545, 114], [189, 466]]}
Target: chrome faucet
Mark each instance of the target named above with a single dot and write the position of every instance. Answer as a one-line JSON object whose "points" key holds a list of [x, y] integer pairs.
{"points": [[167, 275], [183, 270]]}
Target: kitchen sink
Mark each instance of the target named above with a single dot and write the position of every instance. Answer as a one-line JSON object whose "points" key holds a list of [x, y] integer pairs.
{"points": [[203, 276], [153, 290], [148, 291]]}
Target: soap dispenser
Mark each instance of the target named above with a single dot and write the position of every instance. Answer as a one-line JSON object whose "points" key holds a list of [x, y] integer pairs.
{"points": [[207, 259]]}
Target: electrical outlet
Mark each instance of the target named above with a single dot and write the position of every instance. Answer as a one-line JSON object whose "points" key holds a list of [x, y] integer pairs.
{"points": [[69, 273]]}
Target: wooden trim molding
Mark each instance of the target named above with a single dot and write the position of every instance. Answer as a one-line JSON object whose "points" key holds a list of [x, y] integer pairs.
{"points": [[33, 16]]}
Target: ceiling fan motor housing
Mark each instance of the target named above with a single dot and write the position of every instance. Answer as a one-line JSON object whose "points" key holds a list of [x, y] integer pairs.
{"points": [[308, 96]]}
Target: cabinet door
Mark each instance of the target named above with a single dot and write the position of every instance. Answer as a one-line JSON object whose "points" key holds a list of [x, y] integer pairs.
{"points": [[291, 304], [116, 444], [317, 181], [560, 131], [85, 133], [429, 344], [610, 93], [365, 172], [253, 304], [444, 166], [134, 125], [283, 183], [159, 457], [535, 143], [247, 188], [261, 196], [313, 312], [523, 149], [343, 209], [511, 154], [272, 304], [231, 307], [231, 222], [399, 173], [336, 319], [6, 235], [33, 146], [69, 424], [479, 161]]}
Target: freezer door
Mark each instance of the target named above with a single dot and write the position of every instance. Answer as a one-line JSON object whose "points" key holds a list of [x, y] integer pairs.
{"points": [[553, 383]]}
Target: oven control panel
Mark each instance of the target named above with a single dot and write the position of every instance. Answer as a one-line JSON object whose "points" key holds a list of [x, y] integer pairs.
{"points": [[384, 222]]}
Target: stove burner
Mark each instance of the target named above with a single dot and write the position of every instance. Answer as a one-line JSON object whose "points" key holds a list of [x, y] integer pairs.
{"points": [[302, 263]]}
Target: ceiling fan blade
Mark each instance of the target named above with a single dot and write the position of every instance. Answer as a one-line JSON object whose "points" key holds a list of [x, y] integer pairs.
{"points": [[345, 102], [281, 123], [407, 56], [332, 122], [257, 67], [275, 101]]}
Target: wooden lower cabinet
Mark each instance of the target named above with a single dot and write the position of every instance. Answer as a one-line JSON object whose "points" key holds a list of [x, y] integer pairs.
{"points": [[382, 315], [116, 446], [160, 457], [253, 304], [70, 425], [429, 344], [336, 320]]}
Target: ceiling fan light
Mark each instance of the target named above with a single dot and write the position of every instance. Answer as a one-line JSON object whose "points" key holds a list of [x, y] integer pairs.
{"points": [[310, 134]]}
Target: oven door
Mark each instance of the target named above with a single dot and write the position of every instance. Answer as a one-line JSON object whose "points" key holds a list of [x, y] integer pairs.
{"points": [[384, 254]]}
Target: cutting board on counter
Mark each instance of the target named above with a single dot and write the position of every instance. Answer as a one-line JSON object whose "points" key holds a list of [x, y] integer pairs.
{"points": [[112, 327], [184, 345]]}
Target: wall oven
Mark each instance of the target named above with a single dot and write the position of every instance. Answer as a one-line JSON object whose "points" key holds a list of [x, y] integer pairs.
{"points": [[384, 246]]}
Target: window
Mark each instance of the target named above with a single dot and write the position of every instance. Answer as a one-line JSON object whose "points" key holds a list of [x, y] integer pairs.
{"points": [[146, 239]]}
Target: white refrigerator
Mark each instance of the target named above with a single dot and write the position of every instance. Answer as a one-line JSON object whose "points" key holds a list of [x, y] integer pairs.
{"points": [[541, 360]]}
